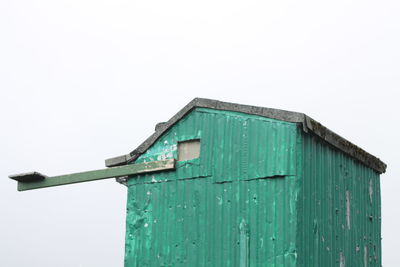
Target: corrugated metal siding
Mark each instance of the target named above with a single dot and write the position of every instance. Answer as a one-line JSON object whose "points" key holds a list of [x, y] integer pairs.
{"points": [[339, 209], [234, 146], [197, 222], [193, 126], [249, 147], [234, 206]]}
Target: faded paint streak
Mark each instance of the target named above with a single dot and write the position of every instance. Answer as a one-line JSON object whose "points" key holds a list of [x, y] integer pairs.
{"points": [[342, 262], [244, 244], [365, 256], [370, 190], [348, 197]]}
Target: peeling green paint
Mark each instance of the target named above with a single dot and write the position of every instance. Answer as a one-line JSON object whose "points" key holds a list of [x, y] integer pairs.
{"points": [[262, 193], [200, 223]]}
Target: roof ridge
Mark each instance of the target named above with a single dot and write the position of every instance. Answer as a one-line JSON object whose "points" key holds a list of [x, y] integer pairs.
{"points": [[308, 124]]}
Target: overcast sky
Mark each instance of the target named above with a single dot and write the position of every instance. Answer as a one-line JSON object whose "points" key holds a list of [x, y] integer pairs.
{"points": [[82, 81]]}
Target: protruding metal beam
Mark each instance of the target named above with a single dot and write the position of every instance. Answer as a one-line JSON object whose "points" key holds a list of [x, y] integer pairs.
{"points": [[35, 180]]}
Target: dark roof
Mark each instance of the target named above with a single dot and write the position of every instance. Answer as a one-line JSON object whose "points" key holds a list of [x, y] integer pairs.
{"points": [[308, 125]]}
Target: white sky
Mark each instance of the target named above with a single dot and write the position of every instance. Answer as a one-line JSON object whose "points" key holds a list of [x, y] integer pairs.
{"points": [[82, 81]]}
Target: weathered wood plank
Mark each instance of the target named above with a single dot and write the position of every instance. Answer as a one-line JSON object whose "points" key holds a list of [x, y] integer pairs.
{"points": [[88, 176]]}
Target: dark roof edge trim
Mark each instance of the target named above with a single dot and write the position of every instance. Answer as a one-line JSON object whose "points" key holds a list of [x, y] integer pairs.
{"points": [[309, 125]]}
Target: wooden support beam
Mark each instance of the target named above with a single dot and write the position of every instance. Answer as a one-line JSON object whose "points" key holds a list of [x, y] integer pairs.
{"points": [[35, 180]]}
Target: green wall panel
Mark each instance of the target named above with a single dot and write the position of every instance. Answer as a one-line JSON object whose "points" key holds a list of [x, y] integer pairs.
{"points": [[339, 209], [233, 206], [250, 147], [197, 222]]}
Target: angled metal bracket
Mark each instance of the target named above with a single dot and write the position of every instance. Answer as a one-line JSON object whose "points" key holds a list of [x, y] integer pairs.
{"points": [[35, 180]]}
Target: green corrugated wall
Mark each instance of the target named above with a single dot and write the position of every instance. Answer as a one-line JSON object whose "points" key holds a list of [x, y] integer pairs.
{"points": [[227, 208], [338, 210], [262, 193]]}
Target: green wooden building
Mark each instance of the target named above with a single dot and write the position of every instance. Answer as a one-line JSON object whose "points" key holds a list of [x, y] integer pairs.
{"points": [[223, 184]]}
